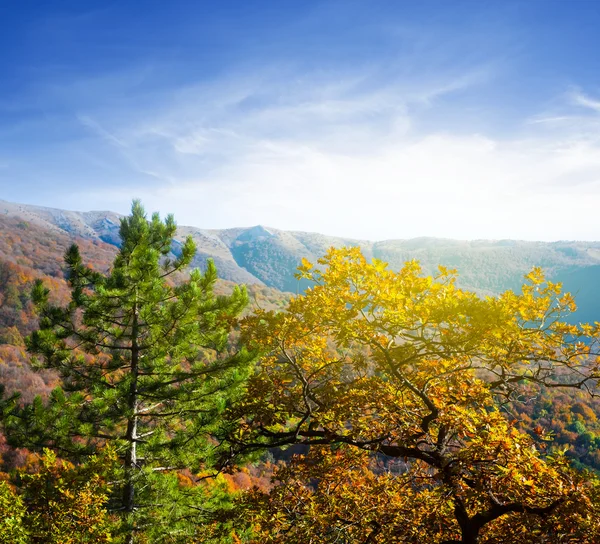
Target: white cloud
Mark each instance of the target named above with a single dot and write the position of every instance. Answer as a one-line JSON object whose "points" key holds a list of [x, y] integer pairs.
{"points": [[341, 155], [585, 101]]}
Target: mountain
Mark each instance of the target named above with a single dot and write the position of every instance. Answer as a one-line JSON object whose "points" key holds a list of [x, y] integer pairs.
{"points": [[267, 256]]}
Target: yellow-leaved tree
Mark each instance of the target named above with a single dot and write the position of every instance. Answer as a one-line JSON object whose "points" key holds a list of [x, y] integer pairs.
{"points": [[394, 383], [52, 501]]}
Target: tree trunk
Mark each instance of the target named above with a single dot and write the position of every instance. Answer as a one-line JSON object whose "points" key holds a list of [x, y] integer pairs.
{"points": [[469, 528], [128, 500]]}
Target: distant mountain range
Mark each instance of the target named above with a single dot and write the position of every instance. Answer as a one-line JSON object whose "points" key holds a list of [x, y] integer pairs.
{"points": [[268, 256]]}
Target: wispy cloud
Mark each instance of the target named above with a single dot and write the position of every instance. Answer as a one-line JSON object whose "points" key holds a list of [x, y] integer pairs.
{"points": [[207, 127], [95, 127], [401, 126], [580, 99], [340, 157]]}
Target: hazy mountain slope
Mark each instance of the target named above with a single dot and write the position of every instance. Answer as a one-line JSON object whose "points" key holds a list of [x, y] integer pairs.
{"points": [[270, 256], [491, 267], [101, 225], [584, 284]]}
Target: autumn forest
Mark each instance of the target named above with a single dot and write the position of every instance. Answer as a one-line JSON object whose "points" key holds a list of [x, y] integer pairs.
{"points": [[144, 400]]}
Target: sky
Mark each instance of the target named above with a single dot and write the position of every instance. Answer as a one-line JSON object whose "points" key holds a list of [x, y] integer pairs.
{"points": [[365, 119]]}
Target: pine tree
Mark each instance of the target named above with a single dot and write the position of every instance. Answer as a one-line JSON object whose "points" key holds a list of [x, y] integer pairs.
{"points": [[146, 364]]}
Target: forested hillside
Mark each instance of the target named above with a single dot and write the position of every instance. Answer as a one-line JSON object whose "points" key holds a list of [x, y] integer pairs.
{"points": [[34, 241], [268, 256], [413, 400]]}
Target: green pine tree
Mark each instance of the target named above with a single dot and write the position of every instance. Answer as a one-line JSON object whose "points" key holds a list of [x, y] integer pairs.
{"points": [[147, 365]]}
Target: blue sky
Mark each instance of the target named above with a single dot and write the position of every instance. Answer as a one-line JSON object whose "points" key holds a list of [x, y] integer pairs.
{"points": [[366, 119]]}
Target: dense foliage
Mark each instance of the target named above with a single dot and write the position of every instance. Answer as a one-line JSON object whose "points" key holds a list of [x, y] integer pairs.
{"points": [[374, 366], [56, 502]]}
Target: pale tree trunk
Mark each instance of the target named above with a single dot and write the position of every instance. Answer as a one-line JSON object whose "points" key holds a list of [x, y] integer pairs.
{"points": [[128, 500]]}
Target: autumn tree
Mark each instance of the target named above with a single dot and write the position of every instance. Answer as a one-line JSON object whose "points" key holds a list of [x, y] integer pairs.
{"points": [[56, 502], [146, 367], [12, 514], [396, 383]]}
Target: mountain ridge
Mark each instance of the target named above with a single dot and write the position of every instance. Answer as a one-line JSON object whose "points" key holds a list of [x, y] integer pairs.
{"points": [[269, 256]]}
